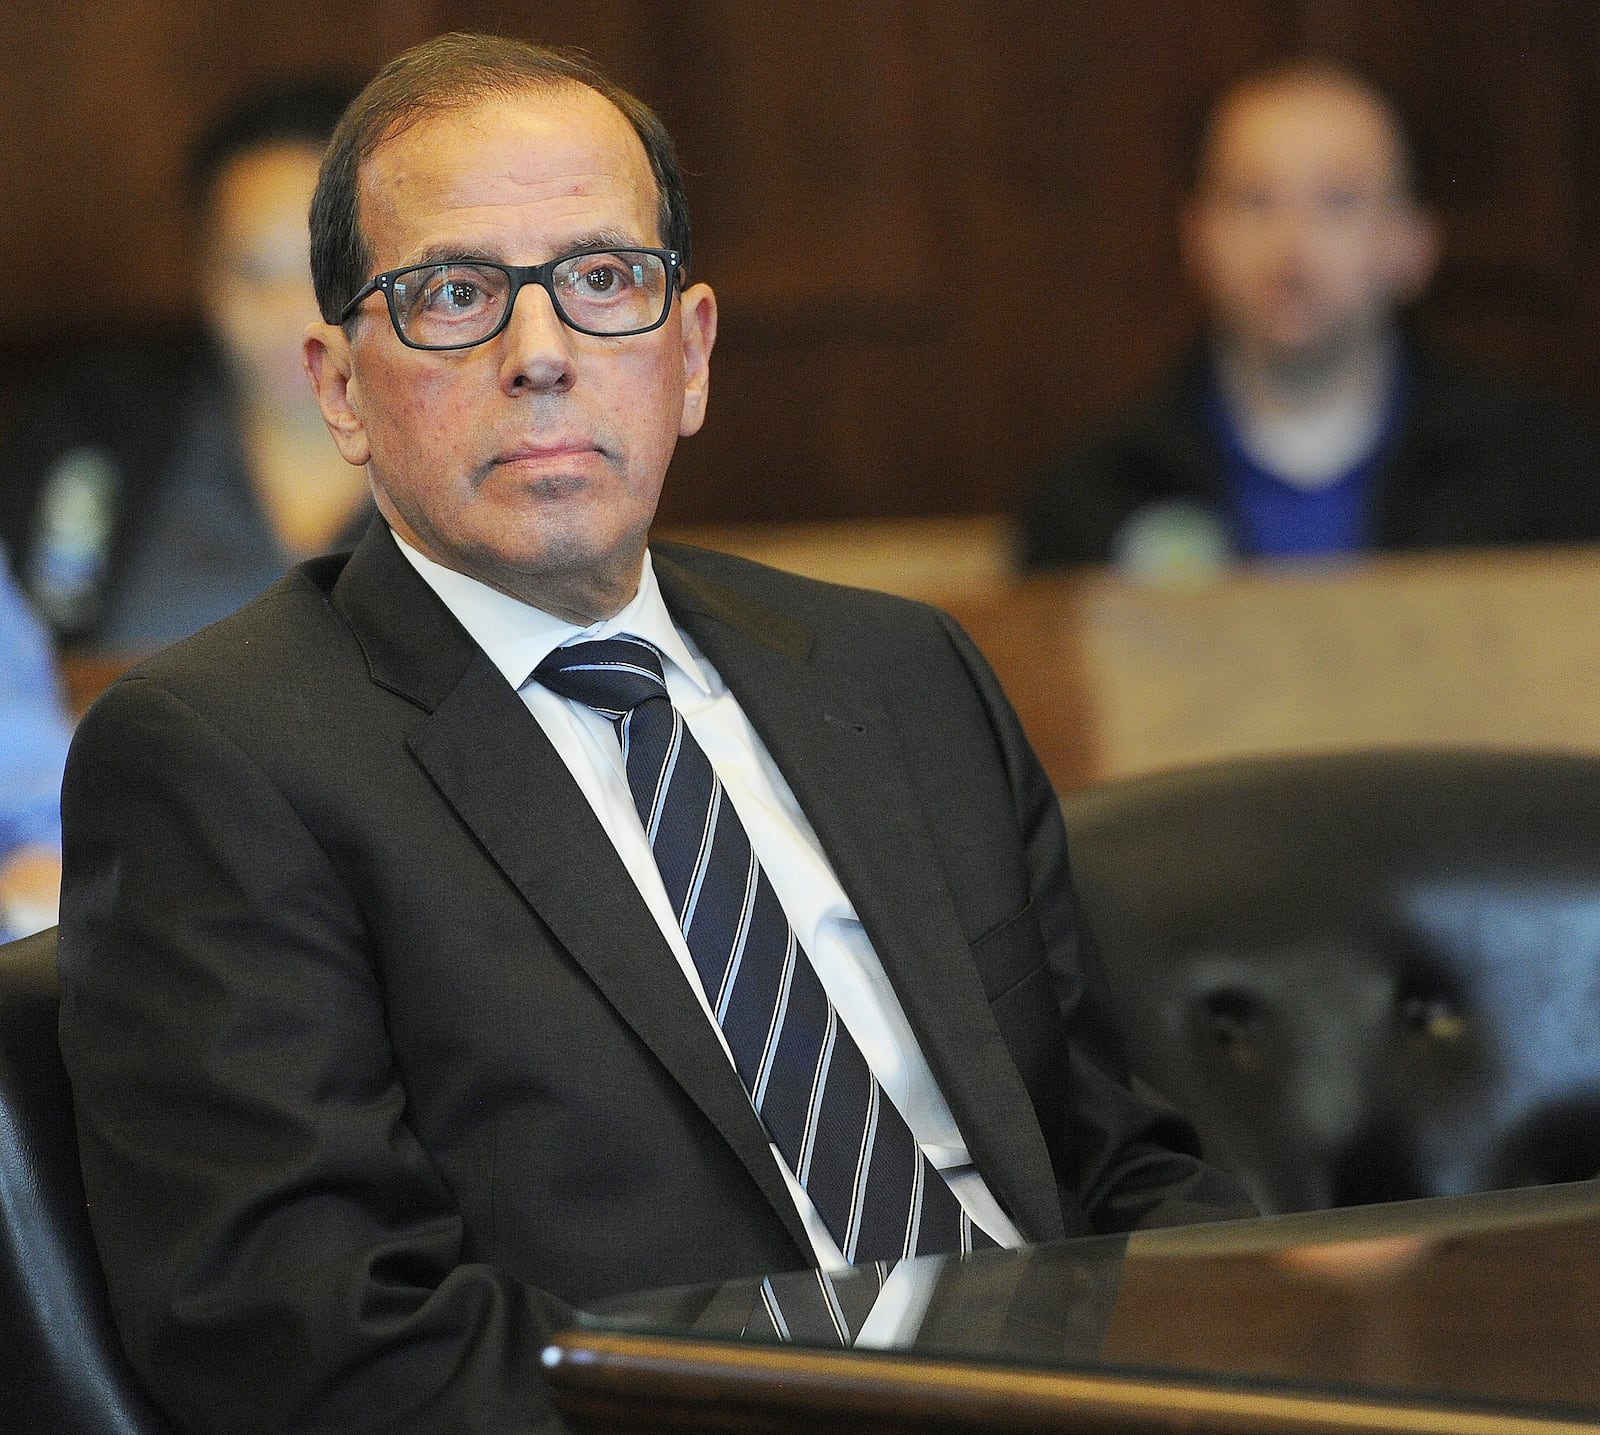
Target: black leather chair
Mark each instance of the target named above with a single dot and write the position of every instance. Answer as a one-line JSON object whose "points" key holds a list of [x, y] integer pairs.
{"points": [[1364, 976], [65, 1373]]}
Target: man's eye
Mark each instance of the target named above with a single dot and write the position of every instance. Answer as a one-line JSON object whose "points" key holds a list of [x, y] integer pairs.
{"points": [[453, 296], [1336, 203], [604, 278]]}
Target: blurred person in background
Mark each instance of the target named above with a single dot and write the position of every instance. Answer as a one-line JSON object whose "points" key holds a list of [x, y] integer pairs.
{"points": [[153, 489], [1308, 420], [34, 730]]}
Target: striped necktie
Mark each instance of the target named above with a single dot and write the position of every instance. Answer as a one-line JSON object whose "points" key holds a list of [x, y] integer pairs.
{"points": [[817, 1308], [845, 1143]]}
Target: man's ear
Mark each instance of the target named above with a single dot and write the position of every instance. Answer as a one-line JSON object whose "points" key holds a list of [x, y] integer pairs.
{"points": [[1414, 253], [698, 312], [327, 359]]}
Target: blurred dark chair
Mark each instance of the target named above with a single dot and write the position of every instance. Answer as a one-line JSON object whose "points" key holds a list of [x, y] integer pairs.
{"points": [[1364, 976], [65, 1370]]}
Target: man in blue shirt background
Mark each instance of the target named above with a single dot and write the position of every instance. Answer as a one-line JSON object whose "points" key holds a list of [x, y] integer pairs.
{"points": [[1308, 420]]}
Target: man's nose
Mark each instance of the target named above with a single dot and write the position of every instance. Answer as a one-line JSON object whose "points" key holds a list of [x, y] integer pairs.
{"points": [[1287, 231], [538, 351]]}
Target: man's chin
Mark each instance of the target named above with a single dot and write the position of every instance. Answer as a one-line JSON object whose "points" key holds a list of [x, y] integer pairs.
{"points": [[1291, 340], [1306, 353], [557, 561]]}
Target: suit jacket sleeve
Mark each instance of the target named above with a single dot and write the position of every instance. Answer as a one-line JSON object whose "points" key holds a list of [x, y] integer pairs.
{"points": [[1124, 1161], [261, 1205]]}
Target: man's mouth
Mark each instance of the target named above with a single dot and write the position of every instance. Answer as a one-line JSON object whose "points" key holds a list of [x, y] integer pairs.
{"points": [[553, 452]]}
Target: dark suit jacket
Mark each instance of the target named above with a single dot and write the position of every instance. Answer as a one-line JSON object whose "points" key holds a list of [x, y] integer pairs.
{"points": [[381, 1060]]}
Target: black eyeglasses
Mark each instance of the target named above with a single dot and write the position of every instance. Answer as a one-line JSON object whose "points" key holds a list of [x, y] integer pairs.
{"points": [[607, 292]]}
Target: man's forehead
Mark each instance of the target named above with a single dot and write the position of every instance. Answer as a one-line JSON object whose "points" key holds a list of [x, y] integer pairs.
{"points": [[1303, 123], [539, 143]]}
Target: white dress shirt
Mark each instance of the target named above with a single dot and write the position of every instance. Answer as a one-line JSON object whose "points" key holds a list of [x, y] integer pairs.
{"points": [[517, 637]]}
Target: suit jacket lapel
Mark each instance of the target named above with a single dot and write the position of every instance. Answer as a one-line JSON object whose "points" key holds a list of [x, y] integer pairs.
{"points": [[835, 748], [493, 764]]}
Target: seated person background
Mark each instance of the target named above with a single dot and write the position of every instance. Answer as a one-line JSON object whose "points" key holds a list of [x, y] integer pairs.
{"points": [[393, 1031], [151, 489], [1308, 421], [34, 731]]}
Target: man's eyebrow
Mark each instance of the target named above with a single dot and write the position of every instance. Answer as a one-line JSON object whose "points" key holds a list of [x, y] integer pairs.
{"points": [[605, 239], [452, 254], [447, 253]]}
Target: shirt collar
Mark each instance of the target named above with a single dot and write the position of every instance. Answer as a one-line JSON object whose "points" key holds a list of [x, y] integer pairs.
{"points": [[517, 637]]}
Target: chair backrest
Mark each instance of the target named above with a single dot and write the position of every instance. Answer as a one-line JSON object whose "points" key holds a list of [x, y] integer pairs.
{"points": [[65, 1369], [1364, 976]]}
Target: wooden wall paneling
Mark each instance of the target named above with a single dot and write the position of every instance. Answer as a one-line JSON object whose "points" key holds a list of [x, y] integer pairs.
{"points": [[943, 233], [1504, 105], [802, 134], [623, 36], [1065, 126], [1017, 162], [103, 99], [107, 98]]}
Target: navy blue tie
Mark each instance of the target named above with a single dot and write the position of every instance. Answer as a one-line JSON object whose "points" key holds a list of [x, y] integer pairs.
{"points": [[819, 1308], [846, 1144]]}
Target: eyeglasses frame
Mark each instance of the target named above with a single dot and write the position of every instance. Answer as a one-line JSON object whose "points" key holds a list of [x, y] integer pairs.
{"points": [[520, 276]]}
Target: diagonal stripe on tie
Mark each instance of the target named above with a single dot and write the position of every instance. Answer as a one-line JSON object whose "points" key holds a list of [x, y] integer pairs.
{"points": [[846, 1144], [818, 1308]]}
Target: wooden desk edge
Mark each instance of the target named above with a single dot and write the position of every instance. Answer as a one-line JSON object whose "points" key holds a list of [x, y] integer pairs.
{"points": [[627, 1382]]}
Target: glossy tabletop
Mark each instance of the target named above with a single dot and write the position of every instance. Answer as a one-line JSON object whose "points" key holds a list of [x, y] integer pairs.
{"points": [[1465, 1314]]}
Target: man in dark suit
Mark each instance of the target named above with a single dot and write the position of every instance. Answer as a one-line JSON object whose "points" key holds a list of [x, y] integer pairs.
{"points": [[386, 1038]]}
